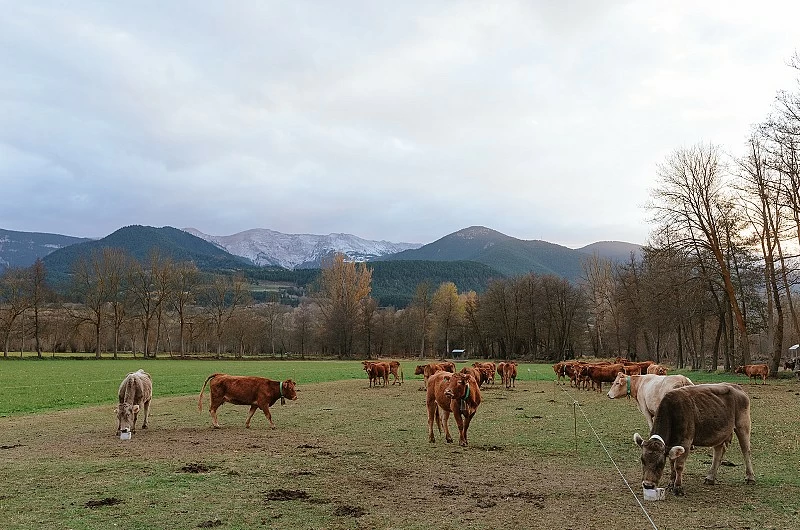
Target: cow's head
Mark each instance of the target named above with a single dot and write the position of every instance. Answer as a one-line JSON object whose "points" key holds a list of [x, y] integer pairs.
{"points": [[620, 387], [739, 370], [288, 390], [419, 370], [458, 387], [126, 417], [654, 456]]}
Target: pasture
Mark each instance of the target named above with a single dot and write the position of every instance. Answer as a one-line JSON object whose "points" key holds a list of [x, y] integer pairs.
{"points": [[348, 456]]}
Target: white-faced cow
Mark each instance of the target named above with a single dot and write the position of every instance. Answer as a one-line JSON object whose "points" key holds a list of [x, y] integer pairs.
{"points": [[135, 394], [701, 416], [257, 392], [647, 390]]}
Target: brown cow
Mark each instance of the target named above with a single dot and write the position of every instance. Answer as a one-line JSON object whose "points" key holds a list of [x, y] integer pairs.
{"points": [[754, 370], [601, 373], [135, 393], [501, 372], [487, 368], [427, 370], [395, 369], [695, 416], [510, 374], [456, 393], [647, 390], [478, 373], [258, 392], [376, 371], [657, 369]]}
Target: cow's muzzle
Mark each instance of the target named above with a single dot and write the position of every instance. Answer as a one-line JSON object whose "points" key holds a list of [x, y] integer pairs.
{"points": [[126, 429], [448, 393], [646, 484]]}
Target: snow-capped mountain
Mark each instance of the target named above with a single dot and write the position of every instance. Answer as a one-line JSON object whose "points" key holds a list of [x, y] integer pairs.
{"points": [[292, 251]]}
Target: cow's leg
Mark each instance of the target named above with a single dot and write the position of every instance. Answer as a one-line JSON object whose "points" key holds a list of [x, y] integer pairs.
{"points": [[446, 421], [743, 435], [146, 407], [677, 472], [253, 409], [432, 410], [716, 460], [268, 414]]}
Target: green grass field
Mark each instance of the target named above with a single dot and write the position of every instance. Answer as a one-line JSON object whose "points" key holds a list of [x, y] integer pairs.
{"points": [[345, 456]]}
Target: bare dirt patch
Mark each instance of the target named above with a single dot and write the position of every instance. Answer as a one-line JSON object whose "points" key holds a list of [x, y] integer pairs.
{"points": [[108, 501]]}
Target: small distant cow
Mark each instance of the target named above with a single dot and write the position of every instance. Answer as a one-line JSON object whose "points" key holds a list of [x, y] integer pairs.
{"points": [[657, 369], [257, 392], [510, 374], [427, 370], [486, 368], [753, 371], [135, 394], [377, 371], [790, 365], [452, 393]]}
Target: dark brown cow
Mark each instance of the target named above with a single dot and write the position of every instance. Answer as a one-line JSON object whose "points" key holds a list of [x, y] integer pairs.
{"points": [[695, 416], [135, 393], [789, 365], [452, 393], [258, 392], [753, 371]]}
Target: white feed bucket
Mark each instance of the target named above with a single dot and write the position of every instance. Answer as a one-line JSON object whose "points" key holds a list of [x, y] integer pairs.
{"points": [[655, 494], [125, 436]]}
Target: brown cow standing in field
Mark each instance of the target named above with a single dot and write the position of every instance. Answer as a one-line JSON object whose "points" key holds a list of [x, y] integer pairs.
{"points": [[600, 373], [754, 370], [135, 393], [510, 374], [487, 368], [376, 371], [427, 370], [701, 416], [647, 390], [452, 393], [257, 392]]}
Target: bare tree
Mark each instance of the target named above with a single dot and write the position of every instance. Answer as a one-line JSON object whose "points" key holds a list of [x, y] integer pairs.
{"points": [[691, 199], [14, 301], [223, 297]]}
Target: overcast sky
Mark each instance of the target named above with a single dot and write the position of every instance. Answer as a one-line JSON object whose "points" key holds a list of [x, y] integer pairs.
{"points": [[403, 121]]}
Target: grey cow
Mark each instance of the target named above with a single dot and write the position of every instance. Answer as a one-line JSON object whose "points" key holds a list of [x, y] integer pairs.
{"points": [[135, 394]]}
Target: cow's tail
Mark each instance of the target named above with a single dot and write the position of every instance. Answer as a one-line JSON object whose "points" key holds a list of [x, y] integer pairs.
{"points": [[401, 374], [200, 399], [438, 420]]}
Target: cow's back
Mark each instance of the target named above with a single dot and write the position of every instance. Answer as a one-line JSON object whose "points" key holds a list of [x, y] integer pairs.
{"points": [[704, 415], [136, 388], [653, 388]]}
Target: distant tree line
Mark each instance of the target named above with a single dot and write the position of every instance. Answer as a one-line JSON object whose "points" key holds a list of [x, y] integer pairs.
{"points": [[715, 287]]}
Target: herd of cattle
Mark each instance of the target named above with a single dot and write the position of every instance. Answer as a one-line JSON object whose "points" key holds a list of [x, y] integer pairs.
{"points": [[680, 414]]}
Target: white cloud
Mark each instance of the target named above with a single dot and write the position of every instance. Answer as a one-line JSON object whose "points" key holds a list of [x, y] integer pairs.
{"points": [[399, 121]]}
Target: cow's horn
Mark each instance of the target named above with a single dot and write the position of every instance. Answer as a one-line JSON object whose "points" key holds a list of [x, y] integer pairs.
{"points": [[657, 437]]}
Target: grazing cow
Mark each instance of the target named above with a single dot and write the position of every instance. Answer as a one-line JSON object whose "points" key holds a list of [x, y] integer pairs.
{"points": [[510, 374], [258, 392], [647, 390], [754, 370], [696, 416], [135, 393], [452, 393], [657, 369]]}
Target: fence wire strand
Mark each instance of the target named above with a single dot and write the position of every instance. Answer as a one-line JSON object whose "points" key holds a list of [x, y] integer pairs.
{"points": [[576, 403]]}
